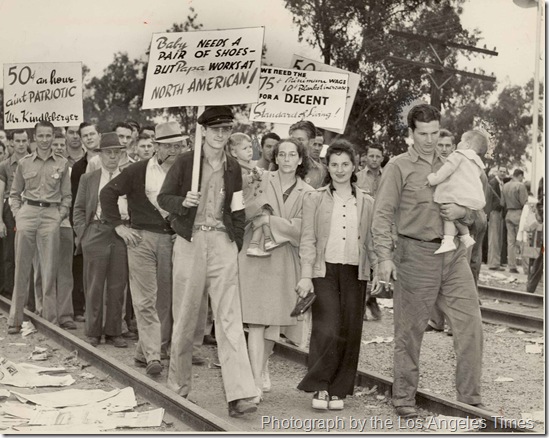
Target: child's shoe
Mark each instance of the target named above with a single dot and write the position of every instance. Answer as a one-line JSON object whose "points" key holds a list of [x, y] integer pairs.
{"points": [[467, 240], [256, 252], [447, 245], [270, 245]]}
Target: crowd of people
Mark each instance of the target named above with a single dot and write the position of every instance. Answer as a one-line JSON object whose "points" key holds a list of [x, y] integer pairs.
{"points": [[106, 228]]}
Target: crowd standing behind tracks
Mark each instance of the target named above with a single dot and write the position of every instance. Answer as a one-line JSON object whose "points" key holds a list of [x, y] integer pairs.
{"points": [[256, 236]]}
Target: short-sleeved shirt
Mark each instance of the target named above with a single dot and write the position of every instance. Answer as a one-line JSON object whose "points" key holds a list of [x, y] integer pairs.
{"points": [[7, 172], [41, 180]]}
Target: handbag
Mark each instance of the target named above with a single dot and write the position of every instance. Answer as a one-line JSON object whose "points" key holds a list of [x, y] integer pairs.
{"points": [[303, 304]]}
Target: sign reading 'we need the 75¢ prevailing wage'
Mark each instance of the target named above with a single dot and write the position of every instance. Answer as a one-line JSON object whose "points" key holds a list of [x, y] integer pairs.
{"points": [[288, 95], [219, 67], [42, 91]]}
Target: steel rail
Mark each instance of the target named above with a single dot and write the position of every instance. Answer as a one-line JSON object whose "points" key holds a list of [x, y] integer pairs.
{"points": [[512, 319], [425, 399], [190, 414], [512, 296]]}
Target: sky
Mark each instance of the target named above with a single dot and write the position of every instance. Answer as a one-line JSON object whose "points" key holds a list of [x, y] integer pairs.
{"points": [[92, 31]]}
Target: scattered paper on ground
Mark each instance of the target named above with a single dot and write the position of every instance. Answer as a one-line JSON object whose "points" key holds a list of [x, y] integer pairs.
{"points": [[67, 398], [87, 376], [27, 328], [38, 369], [379, 340], [16, 375], [4, 393], [504, 379], [539, 340], [534, 349], [501, 330]]}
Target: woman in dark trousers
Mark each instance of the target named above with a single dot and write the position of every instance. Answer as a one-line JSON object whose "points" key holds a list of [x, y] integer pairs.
{"points": [[336, 252]]}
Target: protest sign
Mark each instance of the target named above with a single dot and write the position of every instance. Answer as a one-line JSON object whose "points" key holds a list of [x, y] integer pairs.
{"points": [[219, 67], [42, 91], [287, 96], [302, 63]]}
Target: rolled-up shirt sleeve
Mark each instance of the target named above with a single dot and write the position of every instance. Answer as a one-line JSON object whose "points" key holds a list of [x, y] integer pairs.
{"points": [[169, 197], [385, 206]]}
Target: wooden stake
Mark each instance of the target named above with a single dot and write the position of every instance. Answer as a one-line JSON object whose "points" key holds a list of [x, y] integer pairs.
{"points": [[197, 153]]}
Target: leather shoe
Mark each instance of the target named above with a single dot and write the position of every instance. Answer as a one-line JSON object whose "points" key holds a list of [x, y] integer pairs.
{"points": [[374, 308], [513, 271], [130, 335], [407, 411], [79, 318], [237, 408], [13, 330], [430, 328], [197, 360], [141, 363], [154, 367], [94, 340], [209, 340], [117, 341], [68, 325]]}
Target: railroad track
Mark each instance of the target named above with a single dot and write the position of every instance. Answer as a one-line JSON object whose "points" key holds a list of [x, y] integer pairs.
{"points": [[200, 419], [512, 318]]}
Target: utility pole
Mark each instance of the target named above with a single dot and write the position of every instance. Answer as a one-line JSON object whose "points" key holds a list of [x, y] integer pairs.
{"points": [[440, 73]]}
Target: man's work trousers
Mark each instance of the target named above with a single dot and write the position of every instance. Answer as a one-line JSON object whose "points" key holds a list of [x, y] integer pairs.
{"points": [[337, 331], [423, 279], [150, 268], [37, 232], [105, 260], [8, 252], [208, 266], [495, 236], [512, 220], [63, 281]]}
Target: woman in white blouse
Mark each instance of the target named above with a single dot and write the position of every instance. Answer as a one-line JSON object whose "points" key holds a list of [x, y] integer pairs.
{"points": [[337, 256]]}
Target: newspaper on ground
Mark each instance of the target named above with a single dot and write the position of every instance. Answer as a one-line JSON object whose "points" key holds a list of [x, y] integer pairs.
{"points": [[67, 398], [24, 377]]}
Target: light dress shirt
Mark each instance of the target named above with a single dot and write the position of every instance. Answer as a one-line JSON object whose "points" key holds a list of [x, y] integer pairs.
{"points": [[342, 244]]}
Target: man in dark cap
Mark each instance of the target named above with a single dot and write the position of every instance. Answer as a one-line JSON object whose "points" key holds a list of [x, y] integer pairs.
{"points": [[210, 227], [105, 256]]}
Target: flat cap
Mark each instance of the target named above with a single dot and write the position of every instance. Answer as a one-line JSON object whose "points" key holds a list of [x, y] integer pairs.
{"points": [[216, 115]]}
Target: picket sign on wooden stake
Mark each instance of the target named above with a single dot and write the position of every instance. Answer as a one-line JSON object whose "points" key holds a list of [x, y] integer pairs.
{"points": [[197, 152]]}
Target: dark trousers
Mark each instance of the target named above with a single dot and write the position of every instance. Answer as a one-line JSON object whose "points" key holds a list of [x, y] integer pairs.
{"points": [[478, 230], [337, 331], [536, 272], [78, 299], [105, 260], [7, 273]]}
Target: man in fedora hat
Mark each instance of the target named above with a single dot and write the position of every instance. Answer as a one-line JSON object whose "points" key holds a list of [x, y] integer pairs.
{"points": [[105, 256], [210, 227], [40, 199], [148, 238]]}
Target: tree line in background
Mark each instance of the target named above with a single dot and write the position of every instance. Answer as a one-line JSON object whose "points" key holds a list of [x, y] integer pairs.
{"points": [[354, 35]]}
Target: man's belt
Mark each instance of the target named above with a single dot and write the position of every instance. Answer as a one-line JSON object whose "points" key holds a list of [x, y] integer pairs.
{"points": [[41, 204], [208, 228], [438, 240]]}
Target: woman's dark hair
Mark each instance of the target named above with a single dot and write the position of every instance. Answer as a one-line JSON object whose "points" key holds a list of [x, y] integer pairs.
{"points": [[302, 151], [339, 147]]}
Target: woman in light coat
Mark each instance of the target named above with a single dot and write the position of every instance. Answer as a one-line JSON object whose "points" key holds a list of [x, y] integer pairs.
{"points": [[267, 284], [337, 255]]}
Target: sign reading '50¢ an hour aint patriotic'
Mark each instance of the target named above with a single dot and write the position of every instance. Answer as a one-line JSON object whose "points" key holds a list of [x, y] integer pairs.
{"points": [[42, 91], [287, 96], [203, 68]]}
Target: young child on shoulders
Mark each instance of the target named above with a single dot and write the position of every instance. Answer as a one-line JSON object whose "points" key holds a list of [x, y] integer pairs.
{"points": [[256, 204], [458, 181]]}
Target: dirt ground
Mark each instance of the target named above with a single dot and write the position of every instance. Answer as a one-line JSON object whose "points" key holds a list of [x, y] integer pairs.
{"points": [[512, 381]]}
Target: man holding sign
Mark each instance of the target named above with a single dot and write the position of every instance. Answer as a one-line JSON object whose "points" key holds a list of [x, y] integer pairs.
{"points": [[210, 227], [40, 199]]}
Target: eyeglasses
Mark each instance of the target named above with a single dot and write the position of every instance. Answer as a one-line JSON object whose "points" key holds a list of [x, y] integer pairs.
{"points": [[221, 129], [176, 146], [283, 155]]}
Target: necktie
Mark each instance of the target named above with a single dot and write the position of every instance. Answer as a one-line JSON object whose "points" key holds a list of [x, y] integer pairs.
{"points": [[110, 176]]}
